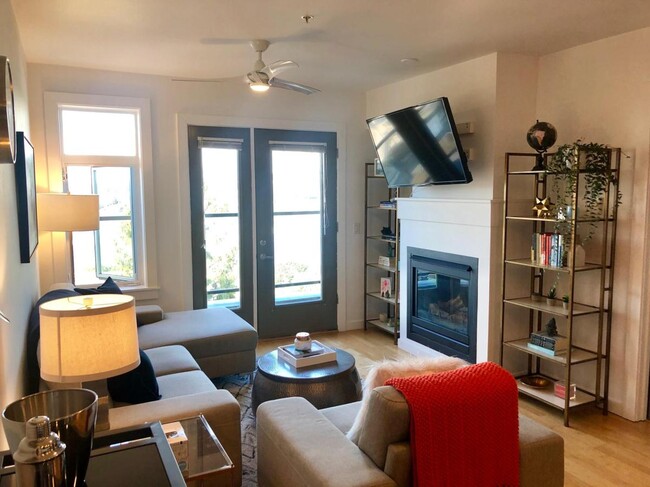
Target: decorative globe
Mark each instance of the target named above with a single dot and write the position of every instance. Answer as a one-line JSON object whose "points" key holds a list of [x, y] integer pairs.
{"points": [[541, 136]]}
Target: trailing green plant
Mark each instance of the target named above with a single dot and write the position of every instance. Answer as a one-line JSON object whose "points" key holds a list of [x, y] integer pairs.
{"points": [[552, 292], [565, 167]]}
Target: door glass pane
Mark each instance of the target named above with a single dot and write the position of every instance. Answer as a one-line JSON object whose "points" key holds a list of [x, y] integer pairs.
{"points": [[83, 132], [221, 220], [297, 181], [297, 225]]}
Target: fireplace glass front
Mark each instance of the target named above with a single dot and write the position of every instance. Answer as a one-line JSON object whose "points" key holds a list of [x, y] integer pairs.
{"points": [[442, 302]]}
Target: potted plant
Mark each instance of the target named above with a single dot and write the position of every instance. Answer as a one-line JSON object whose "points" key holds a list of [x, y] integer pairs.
{"points": [[550, 299], [565, 165], [565, 301]]}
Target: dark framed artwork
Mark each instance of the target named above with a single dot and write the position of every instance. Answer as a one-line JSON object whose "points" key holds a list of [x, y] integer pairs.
{"points": [[26, 197]]}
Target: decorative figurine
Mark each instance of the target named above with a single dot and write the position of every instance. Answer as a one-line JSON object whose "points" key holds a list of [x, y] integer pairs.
{"points": [[551, 328], [543, 207]]}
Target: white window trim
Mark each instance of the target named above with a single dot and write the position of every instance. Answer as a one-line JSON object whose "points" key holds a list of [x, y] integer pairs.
{"points": [[143, 208]]}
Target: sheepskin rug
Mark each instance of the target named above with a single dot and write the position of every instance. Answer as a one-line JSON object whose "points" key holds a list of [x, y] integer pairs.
{"points": [[410, 367]]}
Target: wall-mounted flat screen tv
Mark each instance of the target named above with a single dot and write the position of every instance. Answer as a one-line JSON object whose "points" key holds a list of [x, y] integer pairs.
{"points": [[420, 145]]}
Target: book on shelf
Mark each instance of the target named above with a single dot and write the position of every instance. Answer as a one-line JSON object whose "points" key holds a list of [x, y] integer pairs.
{"points": [[318, 354], [545, 351], [555, 343], [548, 249]]}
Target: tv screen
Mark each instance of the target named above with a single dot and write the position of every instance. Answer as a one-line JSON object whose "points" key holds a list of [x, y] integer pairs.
{"points": [[420, 145]]}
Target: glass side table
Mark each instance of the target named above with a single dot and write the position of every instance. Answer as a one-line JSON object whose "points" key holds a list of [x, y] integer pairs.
{"points": [[207, 459]]}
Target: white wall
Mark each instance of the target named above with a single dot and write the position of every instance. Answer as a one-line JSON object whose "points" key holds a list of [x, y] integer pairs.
{"points": [[600, 92], [231, 104], [18, 282]]}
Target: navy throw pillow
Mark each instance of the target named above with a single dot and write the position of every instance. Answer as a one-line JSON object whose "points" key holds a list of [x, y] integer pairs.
{"points": [[109, 287], [136, 386]]}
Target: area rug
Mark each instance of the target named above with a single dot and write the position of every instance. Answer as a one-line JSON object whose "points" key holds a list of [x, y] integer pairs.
{"points": [[240, 387]]}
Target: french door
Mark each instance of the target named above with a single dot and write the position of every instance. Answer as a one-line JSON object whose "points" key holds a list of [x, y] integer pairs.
{"points": [[264, 226]]}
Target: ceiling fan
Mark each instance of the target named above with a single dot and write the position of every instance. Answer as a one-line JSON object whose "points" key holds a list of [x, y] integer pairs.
{"points": [[264, 76]]}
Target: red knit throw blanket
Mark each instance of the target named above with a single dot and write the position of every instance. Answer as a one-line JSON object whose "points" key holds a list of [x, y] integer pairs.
{"points": [[464, 427]]}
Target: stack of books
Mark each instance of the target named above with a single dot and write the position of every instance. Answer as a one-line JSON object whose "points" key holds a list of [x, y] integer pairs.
{"points": [[551, 345], [548, 249], [318, 354]]}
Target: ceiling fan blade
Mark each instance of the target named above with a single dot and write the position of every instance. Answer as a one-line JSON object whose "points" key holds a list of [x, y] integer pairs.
{"points": [[273, 69], [208, 80], [290, 85]]}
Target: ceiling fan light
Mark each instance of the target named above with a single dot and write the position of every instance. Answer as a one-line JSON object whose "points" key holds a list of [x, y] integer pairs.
{"points": [[259, 86]]}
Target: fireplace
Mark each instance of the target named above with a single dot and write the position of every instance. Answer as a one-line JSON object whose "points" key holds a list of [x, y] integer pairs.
{"points": [[442, 301]]}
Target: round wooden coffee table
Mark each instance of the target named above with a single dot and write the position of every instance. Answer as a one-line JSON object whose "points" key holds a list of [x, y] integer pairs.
{"points": [[323, 385]]}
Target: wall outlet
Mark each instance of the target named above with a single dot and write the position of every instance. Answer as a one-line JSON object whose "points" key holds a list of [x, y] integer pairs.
{"points": [[469, 154], [356, 228]]}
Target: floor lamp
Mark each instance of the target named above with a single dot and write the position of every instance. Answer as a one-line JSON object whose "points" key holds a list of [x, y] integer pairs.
{"points": [[63, 212]]}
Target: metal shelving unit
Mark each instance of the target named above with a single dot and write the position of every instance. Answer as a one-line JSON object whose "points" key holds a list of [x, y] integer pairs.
{"points": [[596, 312], [376, 215]]}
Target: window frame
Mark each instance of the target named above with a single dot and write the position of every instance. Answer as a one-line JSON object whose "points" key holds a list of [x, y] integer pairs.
{"points": [[141, 169]]}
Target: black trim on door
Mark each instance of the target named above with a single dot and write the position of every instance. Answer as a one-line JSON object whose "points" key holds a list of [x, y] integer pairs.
{"points": [[197, 217], [319, 315]]}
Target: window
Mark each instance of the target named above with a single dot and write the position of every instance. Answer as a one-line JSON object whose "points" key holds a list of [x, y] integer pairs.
{"points": [[100, 145]]}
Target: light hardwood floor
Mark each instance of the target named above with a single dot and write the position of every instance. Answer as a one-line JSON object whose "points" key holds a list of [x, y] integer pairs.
{"points": [[599, 451]]}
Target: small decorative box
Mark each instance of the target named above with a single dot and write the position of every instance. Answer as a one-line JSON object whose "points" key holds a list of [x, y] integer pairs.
{"points": [[560, 390], [387, 261]]}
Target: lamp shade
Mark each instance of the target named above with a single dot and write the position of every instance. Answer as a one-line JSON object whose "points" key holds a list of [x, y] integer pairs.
{"points": [[86, 338], [62, 212]]}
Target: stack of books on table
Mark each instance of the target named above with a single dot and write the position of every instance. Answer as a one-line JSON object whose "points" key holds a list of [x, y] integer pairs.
{"points": [[550, 345], [318, 354]]}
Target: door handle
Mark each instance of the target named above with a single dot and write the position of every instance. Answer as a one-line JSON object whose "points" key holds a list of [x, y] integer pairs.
{"points": [[266, 257]]}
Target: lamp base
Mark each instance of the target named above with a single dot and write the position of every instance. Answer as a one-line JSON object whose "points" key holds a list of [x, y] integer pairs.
{"points": [[104, 403]]}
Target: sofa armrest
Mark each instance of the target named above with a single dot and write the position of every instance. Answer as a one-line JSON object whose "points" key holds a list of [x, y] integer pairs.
{"points": [[297, 445], [148, 314]]}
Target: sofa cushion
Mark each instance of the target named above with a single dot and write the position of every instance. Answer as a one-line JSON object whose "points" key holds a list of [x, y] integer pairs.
{"points": [[148, 313], [171, 359], [136, 386], [108, 287], [204, 332], [184, 384], [387, 421], [342, 416]]}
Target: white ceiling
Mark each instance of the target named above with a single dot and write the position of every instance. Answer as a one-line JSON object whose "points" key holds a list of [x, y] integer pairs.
{"points": [[350, 44]]}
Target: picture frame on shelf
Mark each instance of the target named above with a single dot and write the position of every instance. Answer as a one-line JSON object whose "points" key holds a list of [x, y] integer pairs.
{"points": [[378, 169], [386, 287], [25, 173]]}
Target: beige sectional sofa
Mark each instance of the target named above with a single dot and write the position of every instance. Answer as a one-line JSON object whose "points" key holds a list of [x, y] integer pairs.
{"points": [[220, 341], [298, 445], [185, 349]]}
